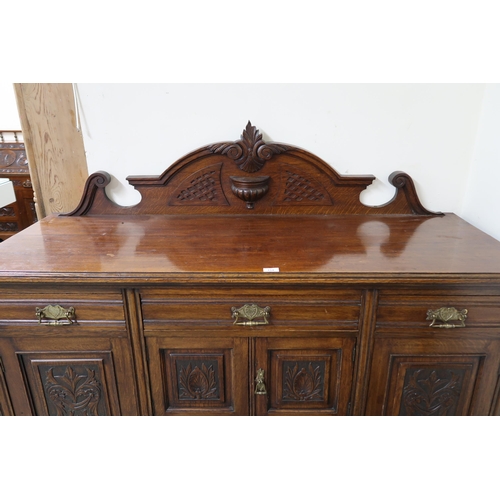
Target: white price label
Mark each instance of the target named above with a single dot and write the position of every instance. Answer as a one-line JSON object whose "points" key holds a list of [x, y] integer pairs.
{"points": [[271, 269]]}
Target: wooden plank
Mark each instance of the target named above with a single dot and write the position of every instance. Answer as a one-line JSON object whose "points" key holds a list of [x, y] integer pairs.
{"points": [[54, 145]]}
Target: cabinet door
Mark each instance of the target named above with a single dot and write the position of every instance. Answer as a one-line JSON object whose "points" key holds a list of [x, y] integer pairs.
{"points": [[69, 377], [303, 376], [433, 377], [5, 403], [198, 376], [436, 353]]}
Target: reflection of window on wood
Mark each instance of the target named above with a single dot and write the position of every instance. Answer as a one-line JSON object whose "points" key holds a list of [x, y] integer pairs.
{"points": [[14, 166]]}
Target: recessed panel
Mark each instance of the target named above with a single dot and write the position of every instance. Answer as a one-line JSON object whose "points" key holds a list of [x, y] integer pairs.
{"points": [[432, 385], [304, 379], [197, 378], [63, 384]]}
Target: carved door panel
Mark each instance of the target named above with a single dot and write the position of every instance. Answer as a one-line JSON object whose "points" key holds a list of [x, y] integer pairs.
{"points": [[199, 376], [5, 402], [433, 377], [68, 377], [301, 376]]}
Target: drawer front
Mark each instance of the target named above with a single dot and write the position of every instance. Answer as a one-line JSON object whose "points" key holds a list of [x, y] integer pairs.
{"points": [[437, 311], [45, 310], [224, 308]]}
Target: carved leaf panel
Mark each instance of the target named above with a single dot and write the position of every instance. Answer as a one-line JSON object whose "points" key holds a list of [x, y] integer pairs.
{"points": [[306, 376], [71, 384], [304, 380], [198, 375], [197, 378], [440, 385], [200, 382]]}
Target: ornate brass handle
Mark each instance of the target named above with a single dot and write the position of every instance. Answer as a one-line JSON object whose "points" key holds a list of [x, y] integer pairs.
{"points": [[58, 314], [441, 317], [250, 312], [260, 386]]}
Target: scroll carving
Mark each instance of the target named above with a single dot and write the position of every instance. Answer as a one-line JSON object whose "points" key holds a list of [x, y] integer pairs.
{"points": [[250, 153], [7, 158], [8, 226], [96, 181], [428, 393], [402, 181], [7, 212], [296, 182], [13, 158], [74, 394]]}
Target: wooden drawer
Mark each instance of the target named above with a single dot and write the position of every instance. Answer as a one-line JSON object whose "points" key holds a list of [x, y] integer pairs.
{"points": [[102, 309], [195, 308], [414, 311]]}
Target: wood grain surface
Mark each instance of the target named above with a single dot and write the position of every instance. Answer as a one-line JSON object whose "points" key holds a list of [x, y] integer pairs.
{"points": [[54, 145], [124, 248]]}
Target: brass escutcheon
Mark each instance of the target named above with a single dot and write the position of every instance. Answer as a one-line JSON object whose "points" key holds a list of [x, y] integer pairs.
{"points": [[59, 315], [441, 317]]}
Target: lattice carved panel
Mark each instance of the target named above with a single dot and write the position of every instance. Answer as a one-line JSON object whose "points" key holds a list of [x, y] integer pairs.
{"points": [[298, 189], [201, 188]]}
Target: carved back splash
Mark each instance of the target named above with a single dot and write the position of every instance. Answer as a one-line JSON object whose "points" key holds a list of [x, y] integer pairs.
{"points": [[249, 176]]}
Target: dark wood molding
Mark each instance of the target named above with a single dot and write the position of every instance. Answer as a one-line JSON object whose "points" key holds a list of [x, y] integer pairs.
{"points": [[298, 182], [14, 166], [94, 186], [233, 292], [405, 186]]}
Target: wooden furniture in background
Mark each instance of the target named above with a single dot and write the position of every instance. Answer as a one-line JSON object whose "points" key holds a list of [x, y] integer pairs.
{"points": [[250, 280], [14, 166], [54, 145]]}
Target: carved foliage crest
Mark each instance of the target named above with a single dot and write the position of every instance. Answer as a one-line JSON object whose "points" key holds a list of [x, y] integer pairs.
{"points": [[250, 153]]}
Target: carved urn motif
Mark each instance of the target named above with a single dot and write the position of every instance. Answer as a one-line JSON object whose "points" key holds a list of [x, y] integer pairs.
{"points": [[250, 189]]}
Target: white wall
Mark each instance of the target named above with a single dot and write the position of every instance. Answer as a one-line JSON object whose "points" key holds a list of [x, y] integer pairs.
{"points": [[427, 130], [481, 205], [446, 136], [9, 117]]}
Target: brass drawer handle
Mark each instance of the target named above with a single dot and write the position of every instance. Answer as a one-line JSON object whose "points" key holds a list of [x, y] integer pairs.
{"points": [[445, 314], [260, 386], [59, 315], [249, 314]]}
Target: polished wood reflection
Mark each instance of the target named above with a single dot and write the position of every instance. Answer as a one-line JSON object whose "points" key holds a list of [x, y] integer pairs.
{"points": [[247, 244]]}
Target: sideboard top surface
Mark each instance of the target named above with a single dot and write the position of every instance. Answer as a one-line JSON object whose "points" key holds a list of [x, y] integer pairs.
{"points": [[220, 247], [250, 211]]}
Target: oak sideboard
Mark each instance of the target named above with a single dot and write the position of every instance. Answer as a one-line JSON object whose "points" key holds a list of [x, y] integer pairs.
{"points": [[250, 280]]}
